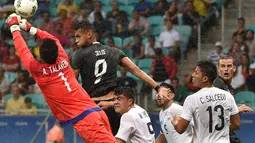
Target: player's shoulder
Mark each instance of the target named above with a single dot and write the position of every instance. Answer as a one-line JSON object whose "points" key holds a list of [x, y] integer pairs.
{"points": [[176, 106], [128, 116]]}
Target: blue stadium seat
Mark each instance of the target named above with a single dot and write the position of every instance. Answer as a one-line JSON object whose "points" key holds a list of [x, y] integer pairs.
{"points": [[79, 1], [31, 43], [8, 96], [118, 73], [106, 2], [169, 1], [251, 27], [37, 22], [38, 100], [127, 9], [155, 20], [145, 40], [245, 97], [156, 30], [133, 76], [107, 8], [144, 63], [126, 40], [127, 52], [53, 11], [165, 51], [128, 2], [11, 76], [2, 22], [184, 29], [118, 41]]}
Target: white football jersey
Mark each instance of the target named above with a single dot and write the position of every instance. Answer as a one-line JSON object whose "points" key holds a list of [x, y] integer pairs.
{"points": [[210, 108], [136, 126], [168, 129]]}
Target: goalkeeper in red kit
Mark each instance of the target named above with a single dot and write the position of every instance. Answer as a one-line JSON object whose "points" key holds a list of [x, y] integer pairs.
{"points": [[68, 101]]}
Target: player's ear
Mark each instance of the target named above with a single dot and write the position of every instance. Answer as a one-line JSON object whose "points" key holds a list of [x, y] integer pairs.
{"points": [[130, 101], [205, 79]]}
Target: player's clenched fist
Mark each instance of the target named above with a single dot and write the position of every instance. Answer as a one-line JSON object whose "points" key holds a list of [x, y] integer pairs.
{"points": [[13, 22]]}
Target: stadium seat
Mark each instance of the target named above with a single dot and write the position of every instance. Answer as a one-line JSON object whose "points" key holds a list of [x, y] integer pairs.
{"points": [[118, 41], [128, 2], [127, 52], [118, 73], [106, 9], [169, 1], [106, 2], [245, 97], [79, 1], [2, 22], [144, 63], [155, 31], [165, 51], [155, 20], [133, 76], [126, 40], [11, 76], [38, 100], [53, 11], [184, 30], [145, 40], [251, 27], [8, 96], [38, 21], [31, 43], [127, 9]]}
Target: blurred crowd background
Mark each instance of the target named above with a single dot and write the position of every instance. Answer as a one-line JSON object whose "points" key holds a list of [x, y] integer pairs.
{"points": [[155, 34]]}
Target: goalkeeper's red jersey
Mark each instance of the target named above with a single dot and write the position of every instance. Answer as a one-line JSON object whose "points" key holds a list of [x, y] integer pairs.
{"points": [[65, 97]]}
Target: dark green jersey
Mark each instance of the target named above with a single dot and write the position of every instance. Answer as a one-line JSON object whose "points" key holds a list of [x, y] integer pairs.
{"points": [[98, 68]]}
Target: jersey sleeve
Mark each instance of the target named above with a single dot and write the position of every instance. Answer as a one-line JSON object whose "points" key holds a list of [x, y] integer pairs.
{"points": [[120, 55], [76, 59], [44, 35], [187, 109], [22, 49], [126, 127], [233, 106]]}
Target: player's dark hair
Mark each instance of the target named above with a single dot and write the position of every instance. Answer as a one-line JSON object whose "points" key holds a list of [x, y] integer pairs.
{"points": [[208, 69], [126, 91], [48, 51], [84, 25], [168, 86]]}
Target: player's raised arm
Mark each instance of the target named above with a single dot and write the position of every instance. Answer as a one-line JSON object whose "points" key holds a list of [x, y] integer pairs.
{"points": [[26, 26], [20, 45]]}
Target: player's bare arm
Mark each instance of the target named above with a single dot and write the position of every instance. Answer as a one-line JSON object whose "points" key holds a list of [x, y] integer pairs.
{"points": [[160, 138], [235, 122], [179, 124]]}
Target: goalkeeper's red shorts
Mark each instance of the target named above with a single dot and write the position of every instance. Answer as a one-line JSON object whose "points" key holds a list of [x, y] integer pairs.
{"points": [[95, 128]]}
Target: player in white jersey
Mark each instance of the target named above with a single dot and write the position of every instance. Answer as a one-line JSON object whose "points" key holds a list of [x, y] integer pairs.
{"points": [[169, 109], [135, 123], [212, 109]]}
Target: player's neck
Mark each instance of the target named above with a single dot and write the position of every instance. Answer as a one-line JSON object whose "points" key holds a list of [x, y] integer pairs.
{"points": [[167, 105], [207, 85]]}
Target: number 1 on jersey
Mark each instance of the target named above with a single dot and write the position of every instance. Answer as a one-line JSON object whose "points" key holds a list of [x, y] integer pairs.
{"points": [[101, 73], [65, 81]]}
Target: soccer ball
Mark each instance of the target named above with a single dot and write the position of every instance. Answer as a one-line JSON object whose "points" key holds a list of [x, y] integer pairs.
{"points": [[25, 8]]}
